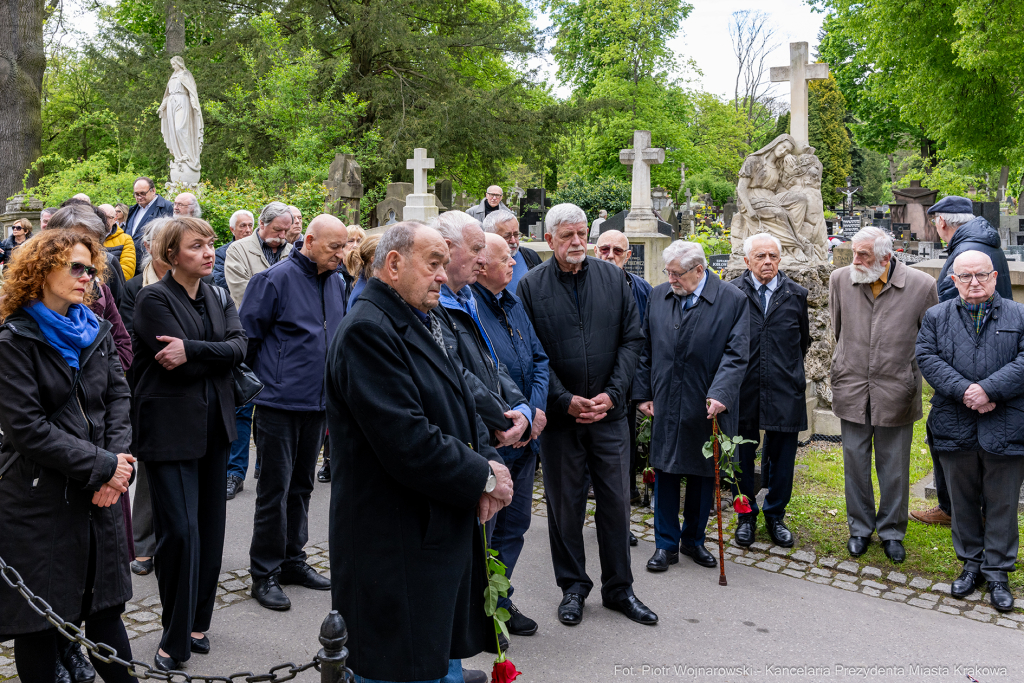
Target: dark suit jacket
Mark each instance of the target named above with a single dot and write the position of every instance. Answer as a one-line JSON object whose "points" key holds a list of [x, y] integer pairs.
{"points": [[161, 208], [409, 456], [171, 406]]}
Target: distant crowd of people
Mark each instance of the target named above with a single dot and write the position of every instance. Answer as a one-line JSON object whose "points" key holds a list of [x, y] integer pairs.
{"points": [[433, 365]]}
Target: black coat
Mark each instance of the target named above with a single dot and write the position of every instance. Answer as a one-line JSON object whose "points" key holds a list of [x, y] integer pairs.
{"points": [[592, 344], [687, 358], [409, 458], [530, 257], [952, 357], [46, 510], [773, 396], [161, 208], [170, 407], [975, 235]]}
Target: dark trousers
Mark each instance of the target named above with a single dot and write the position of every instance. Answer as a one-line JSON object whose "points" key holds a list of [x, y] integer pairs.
{"points": [[700, 497], [941, 490], [288, 443], [631, 414], [238, 462], [189, 513], [567, 455], [506, 529], [984, 543], [778, 458], [142, 515]]}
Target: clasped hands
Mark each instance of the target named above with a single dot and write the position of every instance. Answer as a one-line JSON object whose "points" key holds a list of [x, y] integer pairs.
{"points": [[975, 398], [110, 492], [590, 410], [501, 496]]}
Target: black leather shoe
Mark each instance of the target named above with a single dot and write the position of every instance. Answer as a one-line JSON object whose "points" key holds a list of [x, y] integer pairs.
{"points": [[269, 594], [779, 533], [699, 554], [142, 567], [965, 584], [323, 475], [661, 559], [519, 624], [857, 545], [634, 495], [305, 576], [474, 676], [201, 646], [165, 663], [62, 673], [895, 551], [570, 610], [634, 610], [1000, 596], [77, 664], [256, 473], [633, 542], [745, 531], [235, 486]]}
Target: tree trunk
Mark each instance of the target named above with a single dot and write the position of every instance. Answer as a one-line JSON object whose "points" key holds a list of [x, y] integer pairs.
{"points": [[174, 31], [1004, 178], [22, 62], [892, 167]]}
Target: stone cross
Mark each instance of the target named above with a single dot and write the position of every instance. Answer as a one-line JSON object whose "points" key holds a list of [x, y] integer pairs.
{"points": [[419, 165], [641, 157], [798, 73], [849, 190], [682, 176]]}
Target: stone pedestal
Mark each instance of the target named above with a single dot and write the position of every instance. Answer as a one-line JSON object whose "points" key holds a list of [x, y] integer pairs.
{"points": [[17, 208], [420, 207], [646, 260]]}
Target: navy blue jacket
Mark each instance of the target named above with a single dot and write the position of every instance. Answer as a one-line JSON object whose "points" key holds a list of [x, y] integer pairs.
{"points": [[641, 289], [516, 345], [218, 266], [952, 357], [977, 235], [357, 289], [290, 315]]}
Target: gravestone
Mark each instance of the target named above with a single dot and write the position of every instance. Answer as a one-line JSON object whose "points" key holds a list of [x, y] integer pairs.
{"points": [[392, 208], [851, 225], [910, 206], [718, 262], [616, 222], [798, 73], [643, 225], [987, 210], [443, 193], [420, 205], [901, 231], [344, 188], [533, 207], [842, 255], [637, 260]]}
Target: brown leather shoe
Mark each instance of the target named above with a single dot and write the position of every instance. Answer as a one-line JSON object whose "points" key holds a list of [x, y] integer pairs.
{"points": [[933, 516]]}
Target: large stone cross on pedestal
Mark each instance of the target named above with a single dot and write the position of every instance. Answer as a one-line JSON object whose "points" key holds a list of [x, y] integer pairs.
{"points": [[798, 73], [641, 216], [419, 165]]}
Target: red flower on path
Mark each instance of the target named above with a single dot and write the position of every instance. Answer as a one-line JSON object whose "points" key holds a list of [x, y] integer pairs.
{"points": [[504, 672], [741, 504], [649, 475]]}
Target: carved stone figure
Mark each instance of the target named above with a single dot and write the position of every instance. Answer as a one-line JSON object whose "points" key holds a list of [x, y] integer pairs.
{"points": [[779, 192], [181, 122]]}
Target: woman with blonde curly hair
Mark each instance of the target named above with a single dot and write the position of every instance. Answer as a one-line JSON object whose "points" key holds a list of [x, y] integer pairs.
{"points": [[359, 266], [64, 463]]}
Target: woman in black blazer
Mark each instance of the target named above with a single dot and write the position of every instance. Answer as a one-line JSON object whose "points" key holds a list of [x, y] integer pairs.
{"points": [[187, 339]]}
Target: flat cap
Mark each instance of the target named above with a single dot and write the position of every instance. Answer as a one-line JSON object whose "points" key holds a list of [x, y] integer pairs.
{"points": [[952, 204]]}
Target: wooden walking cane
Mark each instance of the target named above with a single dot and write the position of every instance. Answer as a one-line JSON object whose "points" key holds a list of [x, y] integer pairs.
{"points": [[718, 506]]}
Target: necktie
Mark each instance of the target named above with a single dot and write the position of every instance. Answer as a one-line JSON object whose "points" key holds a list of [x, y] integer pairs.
{"points": [[764, 299], [435, 332], [691, 301]]}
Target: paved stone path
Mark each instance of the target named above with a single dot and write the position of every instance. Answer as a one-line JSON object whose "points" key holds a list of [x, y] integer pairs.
{"points": [[782, 608]]}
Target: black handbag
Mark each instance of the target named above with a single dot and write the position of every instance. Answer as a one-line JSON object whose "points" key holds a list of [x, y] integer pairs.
{"points": [[247, 384]]}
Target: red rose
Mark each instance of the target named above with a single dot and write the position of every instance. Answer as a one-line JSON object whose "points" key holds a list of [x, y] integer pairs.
{"points": [[504, 672], [741, 505], [648, 475]]}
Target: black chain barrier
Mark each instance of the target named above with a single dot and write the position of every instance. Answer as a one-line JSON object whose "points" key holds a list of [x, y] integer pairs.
{"points": [[329, 661]]}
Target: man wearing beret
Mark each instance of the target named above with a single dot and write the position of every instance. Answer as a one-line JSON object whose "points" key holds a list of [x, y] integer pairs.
{"points": [[961, 230]]}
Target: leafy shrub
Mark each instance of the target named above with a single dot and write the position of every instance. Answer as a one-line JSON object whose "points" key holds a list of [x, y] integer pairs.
{"points": [[720, 189], [96, 176], [610, 194], [219, 202]]}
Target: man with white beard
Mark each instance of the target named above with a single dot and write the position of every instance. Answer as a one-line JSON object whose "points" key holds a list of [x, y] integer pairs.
{"points": [[877, 305]]}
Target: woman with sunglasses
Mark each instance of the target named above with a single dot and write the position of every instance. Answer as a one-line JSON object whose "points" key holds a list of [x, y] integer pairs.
{"points": [[64, 462], [21, 230], [187, 339]]}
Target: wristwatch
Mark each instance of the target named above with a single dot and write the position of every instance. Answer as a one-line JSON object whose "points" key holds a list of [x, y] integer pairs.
{"points": [[492, 481]]}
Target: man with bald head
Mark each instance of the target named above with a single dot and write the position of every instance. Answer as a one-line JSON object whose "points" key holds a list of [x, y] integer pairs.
{"points": [[410, 461], [971, 350], [186, 204], [504, 319], [490, 202], [290, 313]]}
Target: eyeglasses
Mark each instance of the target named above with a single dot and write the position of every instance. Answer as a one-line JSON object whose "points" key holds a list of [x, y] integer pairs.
{"points": [[619, 251], [142, 194], [966, 278], [672, 275], [499, 195], [76, 269], [17, 227]]}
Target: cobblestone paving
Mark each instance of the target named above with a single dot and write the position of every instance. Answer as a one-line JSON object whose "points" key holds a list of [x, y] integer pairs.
{"points": [[143, 616]]}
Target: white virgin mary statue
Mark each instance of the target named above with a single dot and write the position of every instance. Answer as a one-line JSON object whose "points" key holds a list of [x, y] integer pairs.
{"points": [[181, 122]]}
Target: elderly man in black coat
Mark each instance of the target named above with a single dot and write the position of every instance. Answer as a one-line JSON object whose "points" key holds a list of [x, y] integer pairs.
{"points": [[410, 457], [773, 391], [971, 350], [585, 317], [693, 361]]}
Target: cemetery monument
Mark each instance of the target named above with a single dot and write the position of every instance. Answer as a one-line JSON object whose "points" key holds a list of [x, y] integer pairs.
{"points": [[642, 222], [420, 205], [181, 122], [344, 188]]}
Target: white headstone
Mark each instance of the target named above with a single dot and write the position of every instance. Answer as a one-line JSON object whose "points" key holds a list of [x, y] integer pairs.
{"points": [[419, 165], [798, 73], [641, 218], [420, 205]]}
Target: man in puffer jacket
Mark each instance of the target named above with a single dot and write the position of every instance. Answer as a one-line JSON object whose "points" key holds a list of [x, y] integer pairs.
{"points": [[971, 350]]}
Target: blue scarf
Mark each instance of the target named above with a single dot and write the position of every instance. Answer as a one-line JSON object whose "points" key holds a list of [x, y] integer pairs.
{"points": [[69, 335]]}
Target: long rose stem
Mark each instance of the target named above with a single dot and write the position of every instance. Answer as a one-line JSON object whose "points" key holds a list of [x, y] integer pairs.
{"points": [[718, 505]]}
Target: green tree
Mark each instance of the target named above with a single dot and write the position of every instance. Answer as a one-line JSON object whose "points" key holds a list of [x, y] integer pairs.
{"points": [[718, 133], [610, 194], [828, 135]]}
